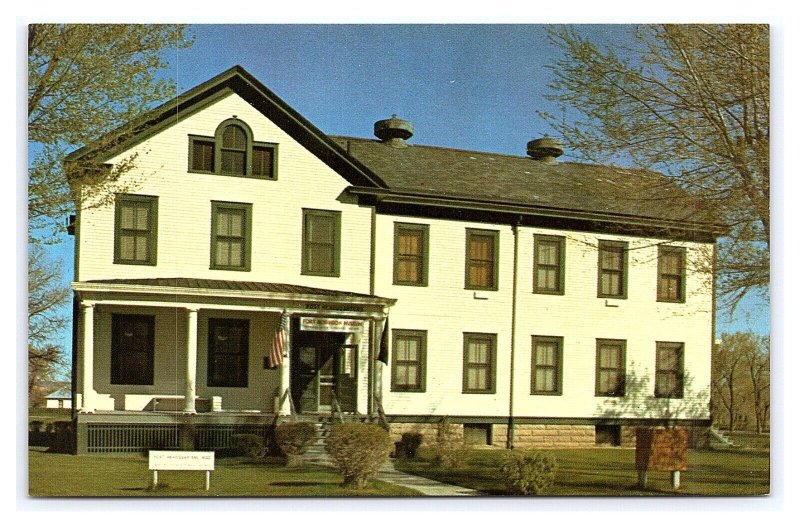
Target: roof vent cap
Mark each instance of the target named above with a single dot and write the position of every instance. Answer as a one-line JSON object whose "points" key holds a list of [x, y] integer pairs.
{"points": [[394, 131], [545, 149]]}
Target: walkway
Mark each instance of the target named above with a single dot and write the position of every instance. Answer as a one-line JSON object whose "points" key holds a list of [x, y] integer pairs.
{"points": [[429, 487]]}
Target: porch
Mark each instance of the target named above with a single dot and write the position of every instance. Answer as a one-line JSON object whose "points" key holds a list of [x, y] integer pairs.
{"points": [[164, 363]]}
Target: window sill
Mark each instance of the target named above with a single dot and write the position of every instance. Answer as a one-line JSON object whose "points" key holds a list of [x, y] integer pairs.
{"points": [[133, 262], [327, 275], [551, 293]]}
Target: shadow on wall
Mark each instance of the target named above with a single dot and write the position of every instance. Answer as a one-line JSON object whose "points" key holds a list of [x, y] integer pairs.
{"points": [[639, 401]]}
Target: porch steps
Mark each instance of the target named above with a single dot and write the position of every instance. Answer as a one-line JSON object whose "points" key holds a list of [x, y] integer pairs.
{"points": [[316, 453], [719, 437]]}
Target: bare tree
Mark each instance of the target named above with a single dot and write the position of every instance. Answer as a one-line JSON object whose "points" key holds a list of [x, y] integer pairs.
{"points": [[47, 295], [740, 380], [757, 361], [690, 101]]}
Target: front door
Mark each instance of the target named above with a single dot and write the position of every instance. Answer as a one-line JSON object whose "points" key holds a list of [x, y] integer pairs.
{"points": [[323, 369]]}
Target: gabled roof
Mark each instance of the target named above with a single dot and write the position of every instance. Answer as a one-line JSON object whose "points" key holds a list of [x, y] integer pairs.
{"points": [[239, 81], [60, 394], [436, 177], [579, 190]]}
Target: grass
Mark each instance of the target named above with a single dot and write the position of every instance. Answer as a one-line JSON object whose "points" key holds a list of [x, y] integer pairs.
{"points": [[611, 472], [52, 474]]}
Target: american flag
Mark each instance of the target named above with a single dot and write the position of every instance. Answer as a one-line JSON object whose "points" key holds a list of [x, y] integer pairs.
{"points": [[275, 357]]}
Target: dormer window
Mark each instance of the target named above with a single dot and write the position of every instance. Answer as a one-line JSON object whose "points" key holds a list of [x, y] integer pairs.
{"points": [[233, 152]]}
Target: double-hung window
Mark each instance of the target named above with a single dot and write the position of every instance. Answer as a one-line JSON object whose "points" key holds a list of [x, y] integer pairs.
{"points": [[669, 370], [612, 268], [410, 254], [671, 274], [135, 236], [548, 264], [233, 151], [228, 343], [546, 358], [479, 362], [610, 379], [230, 236], [321, 242], [132, 349], [481, 259], [408, 360]]}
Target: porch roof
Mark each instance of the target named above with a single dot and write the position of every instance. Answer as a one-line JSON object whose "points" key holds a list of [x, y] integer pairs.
{"points": [[210, 287]]}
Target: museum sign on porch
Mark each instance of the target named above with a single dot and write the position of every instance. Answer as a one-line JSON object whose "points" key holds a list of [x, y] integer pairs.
{"points": [[334, 325]]}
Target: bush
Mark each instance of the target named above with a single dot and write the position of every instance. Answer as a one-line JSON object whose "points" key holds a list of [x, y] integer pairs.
{"points": [[359, 450], [408, 445], [294, 439], [528, 473], [250, 445], [449, 450]]}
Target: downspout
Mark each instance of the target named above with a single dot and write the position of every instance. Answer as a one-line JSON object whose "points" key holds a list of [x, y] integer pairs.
{"points": [[510, 433], [373, 326]]}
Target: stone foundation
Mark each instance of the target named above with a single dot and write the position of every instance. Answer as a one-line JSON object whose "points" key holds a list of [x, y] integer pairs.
{"points": [[533, 436], [428, 431], [529, 437]]}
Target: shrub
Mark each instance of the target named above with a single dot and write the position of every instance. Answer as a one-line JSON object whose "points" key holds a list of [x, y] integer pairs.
{"points": [[408, 445], [449, 450], [359, 450], [294, 439], [250, 445], [528, 473]]}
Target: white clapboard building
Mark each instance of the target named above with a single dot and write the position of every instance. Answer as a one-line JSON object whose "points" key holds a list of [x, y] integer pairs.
{"points": [[565, 302]]}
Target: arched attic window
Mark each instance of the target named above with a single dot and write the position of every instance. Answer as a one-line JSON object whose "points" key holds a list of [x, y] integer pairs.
{"points": [[233, 152]]}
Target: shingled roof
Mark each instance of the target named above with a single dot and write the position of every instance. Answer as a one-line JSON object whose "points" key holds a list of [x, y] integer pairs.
{"points": [[522, 181]]}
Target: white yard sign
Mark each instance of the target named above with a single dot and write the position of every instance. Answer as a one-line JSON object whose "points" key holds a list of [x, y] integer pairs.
{"points": [[181, 460]]}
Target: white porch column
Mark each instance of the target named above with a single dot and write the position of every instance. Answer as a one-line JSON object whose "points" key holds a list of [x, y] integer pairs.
{"points": [[87, 384], [286, 367], [191, 361]]}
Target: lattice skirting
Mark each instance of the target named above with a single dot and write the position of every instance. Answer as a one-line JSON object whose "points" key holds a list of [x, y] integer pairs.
{"points": [[120, 438]]}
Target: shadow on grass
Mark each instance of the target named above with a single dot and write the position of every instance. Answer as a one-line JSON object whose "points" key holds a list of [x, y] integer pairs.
{"points": [[299, 484]]}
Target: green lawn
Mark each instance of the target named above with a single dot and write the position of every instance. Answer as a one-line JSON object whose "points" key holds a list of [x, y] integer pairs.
{"points": [[610, 472], [67, 475]]}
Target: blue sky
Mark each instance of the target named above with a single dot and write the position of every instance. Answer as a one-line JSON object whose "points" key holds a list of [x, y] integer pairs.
{"points": [[475, 87]]}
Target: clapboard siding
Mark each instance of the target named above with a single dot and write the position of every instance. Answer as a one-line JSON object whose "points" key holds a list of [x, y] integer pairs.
{"points": [[446, 310], [184, 209]]}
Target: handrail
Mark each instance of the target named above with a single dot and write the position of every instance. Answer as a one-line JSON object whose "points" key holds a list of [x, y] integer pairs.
{"points": [[382, 421], [292, 412], [336, 410]]}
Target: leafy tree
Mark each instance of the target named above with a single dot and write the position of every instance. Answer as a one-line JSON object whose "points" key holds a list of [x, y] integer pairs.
{"points": [[690, 101], [83, 81]]}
